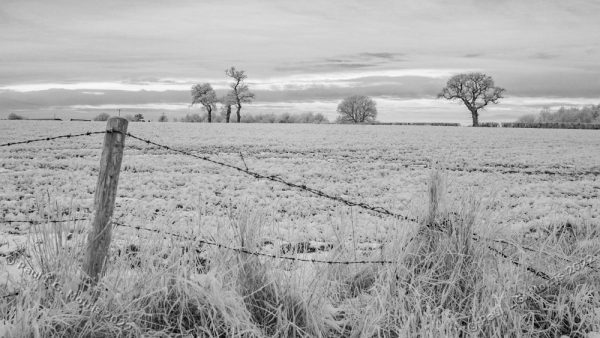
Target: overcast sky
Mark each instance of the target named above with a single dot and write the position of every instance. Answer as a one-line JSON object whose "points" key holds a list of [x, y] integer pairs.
{"points": [[87, 56]]}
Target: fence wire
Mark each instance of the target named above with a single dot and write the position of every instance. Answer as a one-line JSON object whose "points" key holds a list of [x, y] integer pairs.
{"points": [[256, 253], [52, 138], [276, 178]]}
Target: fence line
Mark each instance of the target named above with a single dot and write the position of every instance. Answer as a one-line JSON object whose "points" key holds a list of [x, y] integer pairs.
{"points": [[272, 256]]}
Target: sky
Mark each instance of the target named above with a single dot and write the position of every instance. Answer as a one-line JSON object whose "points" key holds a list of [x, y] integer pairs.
{"points": [[76, 58]]}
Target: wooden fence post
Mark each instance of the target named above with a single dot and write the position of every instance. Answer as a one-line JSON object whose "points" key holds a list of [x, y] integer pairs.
{"points": [[104, 200]]}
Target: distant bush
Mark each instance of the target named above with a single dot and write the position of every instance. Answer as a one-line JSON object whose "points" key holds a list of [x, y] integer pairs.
{"points": [[489, 124], [193, 118], [587, 114], [438, 124], [13, 116], [135, 118], [261, 118], [285, 118], [101, 117], [163, 118], [550, 125]]}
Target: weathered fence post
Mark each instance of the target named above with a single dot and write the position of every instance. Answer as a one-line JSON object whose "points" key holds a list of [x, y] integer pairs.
{"points": [[104, 200]]}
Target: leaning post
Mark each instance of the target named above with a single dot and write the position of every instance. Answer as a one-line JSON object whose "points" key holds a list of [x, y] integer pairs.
{"points": [[99, 235]]}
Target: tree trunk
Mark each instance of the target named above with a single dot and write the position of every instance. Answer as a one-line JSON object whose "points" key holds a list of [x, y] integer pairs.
{"points": [[239, 118], [209, 115], [228, 114], [475, 116]]}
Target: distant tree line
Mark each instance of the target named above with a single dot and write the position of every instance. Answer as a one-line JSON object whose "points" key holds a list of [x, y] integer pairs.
{"points": [[258, 118], [587, 114]]}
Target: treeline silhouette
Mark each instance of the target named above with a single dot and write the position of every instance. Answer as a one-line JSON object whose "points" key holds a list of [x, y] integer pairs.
{"points": [[260, 118], [587, 114]]}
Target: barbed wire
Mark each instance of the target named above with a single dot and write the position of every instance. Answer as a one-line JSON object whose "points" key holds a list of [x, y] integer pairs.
{"points": [[257, 253], [14, 294], [43, 221], [519, 171], [53, 138], [536, 272], [276, 178]]}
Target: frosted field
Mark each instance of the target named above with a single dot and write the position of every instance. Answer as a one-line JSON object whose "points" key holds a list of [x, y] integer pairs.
{"points": [[530, 177], [536, 188]]}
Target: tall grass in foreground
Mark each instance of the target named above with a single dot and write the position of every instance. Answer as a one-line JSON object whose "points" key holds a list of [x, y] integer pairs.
{"points": [[443, 284]]}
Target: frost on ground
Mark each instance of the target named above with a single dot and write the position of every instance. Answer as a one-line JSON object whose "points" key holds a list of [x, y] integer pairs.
{"points": [[536, 187]]}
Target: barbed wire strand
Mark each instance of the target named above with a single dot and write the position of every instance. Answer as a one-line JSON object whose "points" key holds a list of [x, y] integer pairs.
{"points": [[275, 178], [53, 138], [256, 253], [536, 272], [44, 221]]}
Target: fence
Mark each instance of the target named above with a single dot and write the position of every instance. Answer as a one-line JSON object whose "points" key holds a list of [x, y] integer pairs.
{"points": [[100, 236]]}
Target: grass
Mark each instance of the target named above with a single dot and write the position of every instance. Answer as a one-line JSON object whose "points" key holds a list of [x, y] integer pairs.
{"points": [[443, 283]]}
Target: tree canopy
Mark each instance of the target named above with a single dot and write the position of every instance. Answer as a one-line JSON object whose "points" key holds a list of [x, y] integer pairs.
{"points": [[205, 95], [239, 89], [357, 109], [475, 90]]}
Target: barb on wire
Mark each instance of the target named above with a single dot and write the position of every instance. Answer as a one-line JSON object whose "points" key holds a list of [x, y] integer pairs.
{"points": [[274, 178], [256, 253], [14, 294], [53, 138]]}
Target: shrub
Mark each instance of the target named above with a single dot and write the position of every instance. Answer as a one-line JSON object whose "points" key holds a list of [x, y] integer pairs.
{"points": [[554, 125], [13, 116], [286, 118], [194, 118], [101, 117], [163, 118], [489, 124]]}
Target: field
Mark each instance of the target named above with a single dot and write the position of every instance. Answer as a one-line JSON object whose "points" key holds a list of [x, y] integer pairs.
{"points": [[533, 188]]}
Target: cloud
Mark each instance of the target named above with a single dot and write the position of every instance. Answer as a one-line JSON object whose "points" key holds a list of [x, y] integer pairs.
{"points": [[279, 83], [544, 56], [346, 62], [384, 55]]}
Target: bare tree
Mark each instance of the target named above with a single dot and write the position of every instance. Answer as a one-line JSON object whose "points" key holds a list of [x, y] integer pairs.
{"points": [[206, 96], [475, 90], [357, 109], [239, 89], [227, 101]]}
